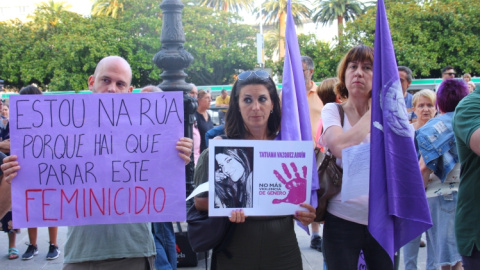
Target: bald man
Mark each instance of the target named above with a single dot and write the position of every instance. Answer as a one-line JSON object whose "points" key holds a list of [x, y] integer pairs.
{"points": [[111, 246]]}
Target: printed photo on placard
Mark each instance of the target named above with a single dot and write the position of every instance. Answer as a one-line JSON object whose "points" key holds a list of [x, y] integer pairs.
{"points": [[233, 177], [264, 178]]}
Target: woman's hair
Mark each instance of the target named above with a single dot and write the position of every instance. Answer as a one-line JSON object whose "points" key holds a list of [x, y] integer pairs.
{"points": [[202, 93], [326, 90], [30, 90], [234, 126], [360, 53], [449, 94], [236, 196], [426, 93]]}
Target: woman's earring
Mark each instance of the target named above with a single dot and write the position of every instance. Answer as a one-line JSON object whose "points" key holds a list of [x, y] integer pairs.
{"points": [[271, 111]]}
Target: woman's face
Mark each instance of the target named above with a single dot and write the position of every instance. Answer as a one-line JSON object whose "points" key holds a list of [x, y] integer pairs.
{"points": [[424, 109], [230, 166], [471, 88], [204, 102], [255, 106], [5, 111], [358, 78]]}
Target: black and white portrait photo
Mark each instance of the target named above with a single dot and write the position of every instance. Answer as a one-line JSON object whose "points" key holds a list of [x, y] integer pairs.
{"points": [[233, 177]]}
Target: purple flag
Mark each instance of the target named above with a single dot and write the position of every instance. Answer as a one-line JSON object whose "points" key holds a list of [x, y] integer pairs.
{"points": [[398, 209], [295, 114]]}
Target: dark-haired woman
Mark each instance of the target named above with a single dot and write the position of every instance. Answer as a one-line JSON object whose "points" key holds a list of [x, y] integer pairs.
{"points": [[257, 242]]}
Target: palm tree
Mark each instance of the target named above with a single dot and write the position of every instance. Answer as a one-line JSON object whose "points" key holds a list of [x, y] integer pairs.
{"points": [[111, 8], [275, 12], [328, 11], [228, 5], [50, 10]]}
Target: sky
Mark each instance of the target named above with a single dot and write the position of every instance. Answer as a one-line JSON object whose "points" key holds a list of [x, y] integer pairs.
{"points": [[84, 7]]}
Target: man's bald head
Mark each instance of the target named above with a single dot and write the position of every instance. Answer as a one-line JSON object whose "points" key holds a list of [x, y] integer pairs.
{"points": [[112, 75]]}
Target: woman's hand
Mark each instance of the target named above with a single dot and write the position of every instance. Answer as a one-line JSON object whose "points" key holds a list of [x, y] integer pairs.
{"points": [[306, 217], [238, 216], [185, 146], [220, 176], [10, 167]]}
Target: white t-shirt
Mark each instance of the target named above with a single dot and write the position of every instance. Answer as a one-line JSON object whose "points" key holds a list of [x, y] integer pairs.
{"points": [[355, 210]]}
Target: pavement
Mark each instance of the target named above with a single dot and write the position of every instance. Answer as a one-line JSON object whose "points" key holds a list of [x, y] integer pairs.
{"points": [[311, 259]]}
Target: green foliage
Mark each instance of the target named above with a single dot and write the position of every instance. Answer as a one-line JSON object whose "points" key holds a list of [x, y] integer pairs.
{"points": [[325, 57], [427, 35], [228, 5], [218, 44], [328, 11], [62, 55]]}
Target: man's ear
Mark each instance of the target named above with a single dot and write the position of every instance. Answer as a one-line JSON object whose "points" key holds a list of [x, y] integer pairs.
{"points": [[91, 81]]}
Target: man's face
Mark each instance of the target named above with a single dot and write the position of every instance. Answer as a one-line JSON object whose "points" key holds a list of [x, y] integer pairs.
{"points": [[224, 94], [403, 81], [307, 74], [112, 76], [194, 92], [448, 74]]}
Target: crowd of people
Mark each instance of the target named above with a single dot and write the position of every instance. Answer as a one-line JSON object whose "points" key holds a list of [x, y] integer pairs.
{"points": [[445, 129]]}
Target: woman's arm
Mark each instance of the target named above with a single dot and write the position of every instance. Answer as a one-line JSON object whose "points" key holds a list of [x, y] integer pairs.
{"points": [[336, 139], [425, 171]]}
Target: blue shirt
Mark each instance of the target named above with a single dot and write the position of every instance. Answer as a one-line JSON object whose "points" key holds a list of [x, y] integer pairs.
{"points": [[437, 145]]}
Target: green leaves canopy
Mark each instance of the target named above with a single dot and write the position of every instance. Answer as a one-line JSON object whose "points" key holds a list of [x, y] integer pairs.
{"points": [[62, 56]]}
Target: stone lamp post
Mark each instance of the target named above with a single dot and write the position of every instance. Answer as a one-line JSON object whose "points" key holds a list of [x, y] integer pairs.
{"points": [[173, 59]]}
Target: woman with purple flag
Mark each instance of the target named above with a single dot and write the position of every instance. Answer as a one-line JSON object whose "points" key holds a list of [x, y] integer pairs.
{"points": [[440, 169], [345, 230], [256, 242]]}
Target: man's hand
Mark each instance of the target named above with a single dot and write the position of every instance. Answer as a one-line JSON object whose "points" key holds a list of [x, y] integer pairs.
{"points": [[10, 167], [185, 146]]}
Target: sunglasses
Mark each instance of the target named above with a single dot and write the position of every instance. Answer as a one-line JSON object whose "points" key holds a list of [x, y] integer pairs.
{"points": [[259, 73], [450, 73]]}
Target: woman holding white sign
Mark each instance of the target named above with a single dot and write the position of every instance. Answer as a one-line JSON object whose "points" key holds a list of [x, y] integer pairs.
{"points": [[256, 242]]}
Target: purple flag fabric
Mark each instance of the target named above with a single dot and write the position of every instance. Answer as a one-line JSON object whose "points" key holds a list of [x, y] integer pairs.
{"points": [[398, 209], [295, 124]]}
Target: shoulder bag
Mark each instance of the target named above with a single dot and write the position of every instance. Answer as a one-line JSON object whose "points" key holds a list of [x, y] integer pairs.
{"points": [[329, 176]]}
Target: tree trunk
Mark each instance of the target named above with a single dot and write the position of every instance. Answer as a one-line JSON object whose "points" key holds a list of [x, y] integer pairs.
{"points": [[281, 43], [340, 28]]}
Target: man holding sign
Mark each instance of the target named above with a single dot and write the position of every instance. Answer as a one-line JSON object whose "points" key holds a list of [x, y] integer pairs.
{"points": [[110, 246]]}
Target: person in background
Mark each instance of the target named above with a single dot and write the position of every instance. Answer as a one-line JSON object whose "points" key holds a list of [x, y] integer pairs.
{"points": [[441, 175], [204, 120], [6, 224], [197, 140], [326, 93], [467, 77], [471, 87], [6, 111], [406, 78], [222, 101], [424, 107], [257, 242], [194, 92], [315, 106]]}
